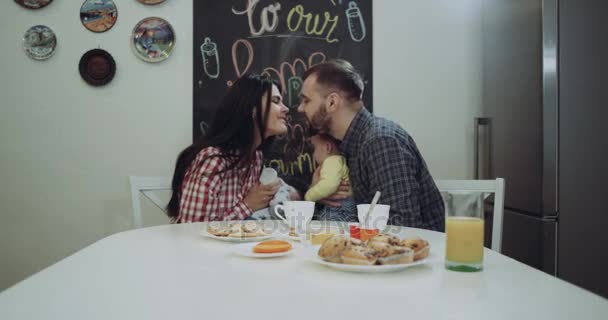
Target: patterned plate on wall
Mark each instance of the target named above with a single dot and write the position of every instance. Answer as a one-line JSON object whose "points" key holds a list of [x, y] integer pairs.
{"points": [[39, 42], [153, 39], [151, 2], [33, 4], [97, 67], [98, 15]]}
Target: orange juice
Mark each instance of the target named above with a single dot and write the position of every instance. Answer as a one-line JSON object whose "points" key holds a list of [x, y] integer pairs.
{"points": [[366, 234], [464, 244]]}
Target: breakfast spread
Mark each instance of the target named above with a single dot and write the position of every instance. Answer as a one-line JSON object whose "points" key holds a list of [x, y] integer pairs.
{"points": [[293, 233], [319, 234], [272, 246], [382, 249], [319, 238], [249, 229]]}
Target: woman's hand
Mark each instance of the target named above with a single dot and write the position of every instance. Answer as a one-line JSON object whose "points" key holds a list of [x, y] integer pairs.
{"points": [[260, 195]]}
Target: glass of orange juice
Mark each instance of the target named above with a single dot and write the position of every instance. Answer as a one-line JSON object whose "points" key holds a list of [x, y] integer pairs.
{"points": [[464, 228]]}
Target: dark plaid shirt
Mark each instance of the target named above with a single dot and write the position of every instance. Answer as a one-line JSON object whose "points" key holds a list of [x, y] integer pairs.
{"points": [[382, 156]]}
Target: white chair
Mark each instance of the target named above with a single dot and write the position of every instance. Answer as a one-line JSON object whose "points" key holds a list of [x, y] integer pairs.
{"points": [[489, 186], [147, 186]]}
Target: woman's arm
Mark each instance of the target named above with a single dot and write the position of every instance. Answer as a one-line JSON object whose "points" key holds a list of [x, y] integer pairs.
{"points": [[201, 200]]}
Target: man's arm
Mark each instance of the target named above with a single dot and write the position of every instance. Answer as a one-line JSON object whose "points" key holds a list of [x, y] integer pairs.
{"points": [[391, 169]]}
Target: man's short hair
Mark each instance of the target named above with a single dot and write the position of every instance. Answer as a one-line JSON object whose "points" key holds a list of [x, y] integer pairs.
{"points": [[338, 74]]}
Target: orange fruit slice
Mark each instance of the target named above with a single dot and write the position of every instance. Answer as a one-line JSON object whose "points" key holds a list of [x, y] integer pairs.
{"points": [[272, 246]]}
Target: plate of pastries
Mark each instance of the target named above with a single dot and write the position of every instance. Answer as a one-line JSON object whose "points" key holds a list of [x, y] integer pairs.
{"points": [[381, 253], [249, 231]]}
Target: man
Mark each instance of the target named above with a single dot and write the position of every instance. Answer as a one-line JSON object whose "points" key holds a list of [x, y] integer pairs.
{"points": [[380, 154]]}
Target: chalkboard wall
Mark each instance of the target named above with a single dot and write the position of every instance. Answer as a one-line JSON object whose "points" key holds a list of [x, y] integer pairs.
{"points": [[282, 39]]}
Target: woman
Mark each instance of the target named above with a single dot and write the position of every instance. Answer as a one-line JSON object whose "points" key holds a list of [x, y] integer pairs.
{"points": [[217, 178]]}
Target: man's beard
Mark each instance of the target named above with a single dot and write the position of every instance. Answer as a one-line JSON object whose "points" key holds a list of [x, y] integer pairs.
{"points": [[320, 122]]}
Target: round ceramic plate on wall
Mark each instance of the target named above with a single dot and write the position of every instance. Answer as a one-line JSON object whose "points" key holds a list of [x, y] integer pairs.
{"points": [[97, 67], [33, 4], [98, 15], [151, 2], [39, 42], [153, 39]]}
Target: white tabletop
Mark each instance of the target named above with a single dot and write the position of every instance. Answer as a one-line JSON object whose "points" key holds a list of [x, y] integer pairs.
{"points": [[171, 272]]}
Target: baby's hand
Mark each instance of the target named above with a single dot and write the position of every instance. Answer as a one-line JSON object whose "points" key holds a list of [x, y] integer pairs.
{"points": [[294, 195]]}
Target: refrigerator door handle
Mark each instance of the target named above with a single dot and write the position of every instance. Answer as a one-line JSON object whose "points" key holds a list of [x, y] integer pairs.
{"points": [[483, 148]]}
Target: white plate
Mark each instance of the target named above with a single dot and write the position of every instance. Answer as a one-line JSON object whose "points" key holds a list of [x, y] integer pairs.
{"points": [[206, 234], [366, 269], [246, 250]]}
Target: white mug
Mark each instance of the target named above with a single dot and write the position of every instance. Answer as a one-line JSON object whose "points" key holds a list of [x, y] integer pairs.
{"points": [[297, 213]]}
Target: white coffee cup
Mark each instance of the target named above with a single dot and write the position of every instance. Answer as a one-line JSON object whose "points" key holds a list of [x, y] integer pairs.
{"points": [[378, 218], [297, 213], [268, 176]]}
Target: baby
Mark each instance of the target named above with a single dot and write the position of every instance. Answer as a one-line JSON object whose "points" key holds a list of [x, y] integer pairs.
{"points": [[333, 170], [285, 193]]}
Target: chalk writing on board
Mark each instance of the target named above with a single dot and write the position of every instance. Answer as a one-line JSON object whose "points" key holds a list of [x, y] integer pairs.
{"points": [[204, 127], [298, 18], [282, 39], [211, 62], [294, 86], [266, 25], [282, 73], [294, 142], [356, 25]]}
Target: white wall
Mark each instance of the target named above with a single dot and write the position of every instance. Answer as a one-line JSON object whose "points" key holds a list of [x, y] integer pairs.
{"points": [[66, 148], [427, 76]]}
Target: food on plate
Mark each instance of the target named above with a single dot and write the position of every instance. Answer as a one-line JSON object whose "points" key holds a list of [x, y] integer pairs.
{"points": [[386, 238], [249, 229], [359, 255], [420, 247], [382, 249], [272, 246], [356, 242], [319, 238], [332, 248], [217, 230], [397, 255], [320, 235]]}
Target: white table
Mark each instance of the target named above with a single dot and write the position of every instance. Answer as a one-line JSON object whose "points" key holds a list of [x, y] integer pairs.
{"points": [[171, 272]]}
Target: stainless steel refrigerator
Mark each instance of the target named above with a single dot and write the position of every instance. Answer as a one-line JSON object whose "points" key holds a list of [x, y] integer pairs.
{"points": [[545, 130]]}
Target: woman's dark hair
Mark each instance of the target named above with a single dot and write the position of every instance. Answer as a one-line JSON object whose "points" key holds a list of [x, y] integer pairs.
{"points": [[232, 130]]}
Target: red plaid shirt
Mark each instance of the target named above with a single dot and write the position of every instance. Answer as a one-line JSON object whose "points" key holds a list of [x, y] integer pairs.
{"points": [[211, 195]]}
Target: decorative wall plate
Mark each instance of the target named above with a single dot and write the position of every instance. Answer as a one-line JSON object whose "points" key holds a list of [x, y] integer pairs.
{"points": [[97, 67], [153, 39], [33, 4], [151, 2], [98, 15], [39, 42]]}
